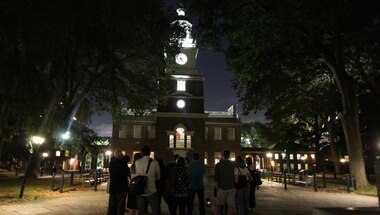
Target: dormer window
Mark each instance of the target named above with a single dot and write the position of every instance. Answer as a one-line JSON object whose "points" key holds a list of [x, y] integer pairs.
{"points": [[181, 85]]}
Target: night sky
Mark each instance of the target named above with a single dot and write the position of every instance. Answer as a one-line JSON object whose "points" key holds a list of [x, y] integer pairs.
{"points": [[218, 91]]}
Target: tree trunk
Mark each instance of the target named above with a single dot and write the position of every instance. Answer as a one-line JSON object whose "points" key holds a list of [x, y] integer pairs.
{"points": [[334, 149], [350, 118]]}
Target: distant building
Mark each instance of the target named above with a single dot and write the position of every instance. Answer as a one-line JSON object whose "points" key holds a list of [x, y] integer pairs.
{"points": [[181, 125]]}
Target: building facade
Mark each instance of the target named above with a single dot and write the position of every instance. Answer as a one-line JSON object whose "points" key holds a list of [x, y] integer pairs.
{"points": [[181, 125]]}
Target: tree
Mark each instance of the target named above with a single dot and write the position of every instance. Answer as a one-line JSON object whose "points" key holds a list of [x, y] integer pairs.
{"points": [[269, 38], [258, 134], [60, 59]]}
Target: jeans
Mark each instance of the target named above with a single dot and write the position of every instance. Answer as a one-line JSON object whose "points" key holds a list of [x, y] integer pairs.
{"points": [[201, 199], [180, 202], [152, 200]]}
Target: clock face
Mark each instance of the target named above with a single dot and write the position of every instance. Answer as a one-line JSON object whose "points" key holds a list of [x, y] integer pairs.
{"points": [[181, 103], [181, 58]]}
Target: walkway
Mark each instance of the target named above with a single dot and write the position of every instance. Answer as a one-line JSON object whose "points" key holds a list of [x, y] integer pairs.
{"points": [[272, 199]]}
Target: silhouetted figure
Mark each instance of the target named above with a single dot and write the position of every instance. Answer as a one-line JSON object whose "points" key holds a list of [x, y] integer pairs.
{"points": [[256, 181], [118, 185], [196, 171]]}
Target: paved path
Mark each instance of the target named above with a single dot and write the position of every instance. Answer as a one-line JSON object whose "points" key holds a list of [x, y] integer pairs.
{"points": [[272, 199]]}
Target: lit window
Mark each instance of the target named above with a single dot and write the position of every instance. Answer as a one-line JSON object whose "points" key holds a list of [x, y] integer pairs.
{"points": [[312, 156], [217, 157], [188, 141], [299, 166], [137, 131], [171, 141], [276, 157], [298, 156], [217, 133], [292, 166], [305, 156], [181, 85], [283, 156], [231, 134], [232, 156], [123, 131], [291, 156], [151, 132], [180, 138], [205, 159]]}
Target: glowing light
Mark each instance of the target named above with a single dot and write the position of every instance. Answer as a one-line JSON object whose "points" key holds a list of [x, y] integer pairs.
{"points": [[180, 103], [38, 140], [45, 154], [269, 155], [65, 136], [108, 153], [72, 160], [74, 118], [57, 153], [342, 160]]}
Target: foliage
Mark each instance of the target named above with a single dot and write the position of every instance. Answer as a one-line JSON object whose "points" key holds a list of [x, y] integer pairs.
{"points": [[274, 44], [258, 134], [61, 59]]}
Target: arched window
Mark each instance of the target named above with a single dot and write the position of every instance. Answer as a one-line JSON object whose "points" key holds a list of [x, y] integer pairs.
{"points": [[180, 137]]}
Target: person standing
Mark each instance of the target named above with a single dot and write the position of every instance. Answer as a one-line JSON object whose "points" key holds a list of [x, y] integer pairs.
{"points": [[150, 193], [242, 180], [132, 201], [196, 171], [225, 184], [179, 178], [256, 181], [168, 196], [126, 160], [118, 184]]}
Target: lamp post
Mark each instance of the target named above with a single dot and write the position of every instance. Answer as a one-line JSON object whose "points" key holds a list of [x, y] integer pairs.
{"points": [[33, 140]]}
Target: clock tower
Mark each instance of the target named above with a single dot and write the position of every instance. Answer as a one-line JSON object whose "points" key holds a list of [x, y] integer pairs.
{"points": [[181, 117]]}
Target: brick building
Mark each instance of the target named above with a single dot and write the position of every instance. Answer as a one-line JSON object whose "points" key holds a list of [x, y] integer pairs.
{"points": [[181, 125]]}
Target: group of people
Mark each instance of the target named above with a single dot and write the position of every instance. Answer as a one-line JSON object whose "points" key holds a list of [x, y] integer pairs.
{"points": [[236, 184], [178, 183]]}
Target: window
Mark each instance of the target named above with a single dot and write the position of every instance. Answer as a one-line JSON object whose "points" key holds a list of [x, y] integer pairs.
{"points": [[291, 156], [232, 156], [181, 85], [171, 141], [205, 159], [276, 156], [299, 166], [137, 131], [188, 141], [312, 156], [291, 166], [206, 133], [151, 132], [180, 138], [231, 134], [123, 131], [217, 156], [217, 133], [298, 156]]}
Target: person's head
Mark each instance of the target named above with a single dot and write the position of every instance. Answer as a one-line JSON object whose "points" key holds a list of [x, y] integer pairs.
{"points": [[240, 160], [196, 156], [226, 154], [180, 161], [249, 161], [175, 157], [136, 156], [126, 158], [145, 150], [118, 153]]}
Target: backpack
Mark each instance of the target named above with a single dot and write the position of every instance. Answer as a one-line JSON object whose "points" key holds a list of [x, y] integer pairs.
{"points": [[242, 180], [138, 183]]}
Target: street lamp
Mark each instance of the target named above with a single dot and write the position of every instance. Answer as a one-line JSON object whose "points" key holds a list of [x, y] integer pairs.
{"points": [[38, 140]]}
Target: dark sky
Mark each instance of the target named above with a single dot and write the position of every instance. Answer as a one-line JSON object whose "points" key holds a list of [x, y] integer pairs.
{"points": [[218, 91]]}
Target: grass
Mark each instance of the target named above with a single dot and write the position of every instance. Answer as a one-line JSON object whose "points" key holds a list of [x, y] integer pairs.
{"points": [[34, 188]]}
